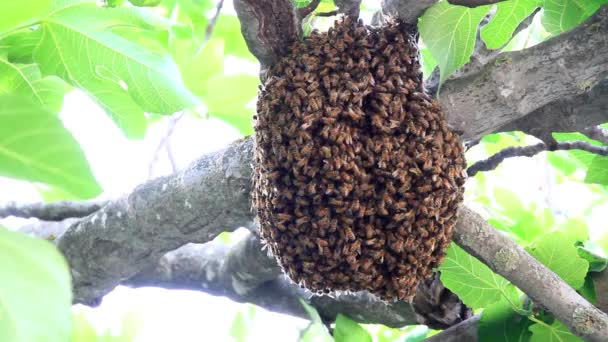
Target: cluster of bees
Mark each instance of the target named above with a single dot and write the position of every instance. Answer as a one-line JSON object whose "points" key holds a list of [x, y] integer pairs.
{"points": [[358, 177]]}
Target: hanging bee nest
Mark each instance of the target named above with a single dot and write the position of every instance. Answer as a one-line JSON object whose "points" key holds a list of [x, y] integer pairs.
{"points": [[357, 176]]}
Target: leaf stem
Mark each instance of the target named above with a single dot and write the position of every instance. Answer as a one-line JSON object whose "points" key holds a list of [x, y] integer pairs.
{"points": [[18, 28]]}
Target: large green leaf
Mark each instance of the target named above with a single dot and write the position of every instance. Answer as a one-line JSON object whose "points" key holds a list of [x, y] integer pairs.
{"points": [[472, 281], [509, 14], [558, 252], [35, 146], [80, 45], [500, 323], [598, 171], [449, 32], [316, 331], [228, 27], [20, 13], [556, 332], [35, 290], [347, 330], [25, 80], [20, 45], [562, 15], [197, 67], [227, 98]]}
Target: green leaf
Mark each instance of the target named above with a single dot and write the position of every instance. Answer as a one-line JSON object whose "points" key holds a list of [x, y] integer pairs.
{"points": [[500, 323], [20, 45], [588, 290], [21, 13], [316, 331], [428, 62], [473, 281], [597, 173], [524, 223], [145, 3], [79, 45], [228, 28], [347, 330], [198, 67], [25, 80], [227, 98], [509, 15], [450, 32], [35, 290], [241, 323], [575, 229], [82, 329], [35, 146], [556, 332], [562, 15], [597, 263], [556, 251]]}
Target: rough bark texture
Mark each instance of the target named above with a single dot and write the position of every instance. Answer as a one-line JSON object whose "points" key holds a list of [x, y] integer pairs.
{"points": [[565, 115], [131, 234], [128, 234], [269, 27], [408, 11], [465, 331], [243, 272], [124, 237], [515, 84], [55, 211], [508, 259]]}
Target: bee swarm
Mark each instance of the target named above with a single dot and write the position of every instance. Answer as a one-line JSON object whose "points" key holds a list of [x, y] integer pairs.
{"points": [[358, 177]]}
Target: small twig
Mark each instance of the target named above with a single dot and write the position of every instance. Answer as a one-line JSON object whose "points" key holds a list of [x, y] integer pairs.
{"points": [[212, 22], [308, 9], [349, 7], [56, 211], [163, 142], [473, 3], [328, 14], [532, 150], [170, 156], [598, 133]]}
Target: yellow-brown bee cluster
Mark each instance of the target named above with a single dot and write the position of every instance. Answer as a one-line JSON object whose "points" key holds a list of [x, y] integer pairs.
{"points": [[357, 175]]}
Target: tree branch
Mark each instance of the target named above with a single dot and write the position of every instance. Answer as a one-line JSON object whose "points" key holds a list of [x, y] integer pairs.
{"points": [[407, 10], [532, 150], [464, 331], [269, 27], [306, 10], [130, 234], [349, 7], [565, 115], [516, 84], [161, 215], [510, 260], [55, 211], [244, 273], [473, 3]]}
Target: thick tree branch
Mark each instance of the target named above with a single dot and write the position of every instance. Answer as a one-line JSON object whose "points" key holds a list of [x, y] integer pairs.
{"points": [[473, 3], [129, 234], [464, 331], [407, 10], [245, 273], [510, 260], [306, 10], [55, 211], [565, 115], [515, 84], [532, 150], [269, 27], [125, 236], [349, 7], [597, 132]]}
